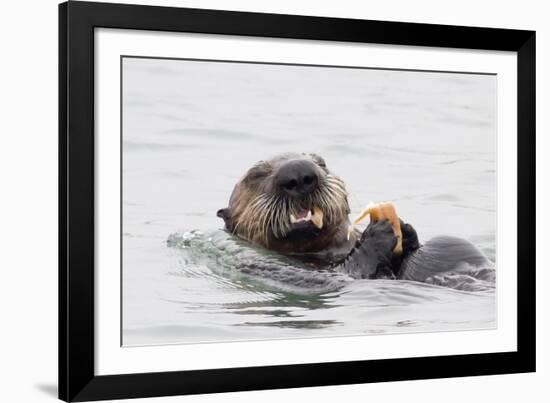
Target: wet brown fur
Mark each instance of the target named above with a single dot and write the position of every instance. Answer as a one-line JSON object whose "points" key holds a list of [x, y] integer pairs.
{"points": [[259, 213]]}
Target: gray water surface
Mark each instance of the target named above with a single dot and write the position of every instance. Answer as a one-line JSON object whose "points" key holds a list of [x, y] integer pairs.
{"points": [[425, 141]]}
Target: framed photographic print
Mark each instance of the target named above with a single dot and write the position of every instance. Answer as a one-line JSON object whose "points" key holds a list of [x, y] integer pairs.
{"points": [[259, 201]]}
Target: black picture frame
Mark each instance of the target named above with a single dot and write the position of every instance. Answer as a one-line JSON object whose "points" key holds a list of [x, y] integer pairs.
{"points": [[77, 21]]}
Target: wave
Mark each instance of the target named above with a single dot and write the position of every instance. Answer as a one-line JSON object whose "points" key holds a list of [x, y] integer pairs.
{"points": [[237, 260]]}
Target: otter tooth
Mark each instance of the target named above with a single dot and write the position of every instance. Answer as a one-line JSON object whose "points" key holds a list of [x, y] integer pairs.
{"points": [[293, 218], [317, 217]]}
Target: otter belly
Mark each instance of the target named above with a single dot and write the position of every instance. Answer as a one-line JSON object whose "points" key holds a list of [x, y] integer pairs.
{"points": [[451, 262]]}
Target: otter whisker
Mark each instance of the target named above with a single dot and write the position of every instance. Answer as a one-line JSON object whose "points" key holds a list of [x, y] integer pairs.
{"points": [[328, 196], [335, 181], [253, 225], [272, 218], [327, 203], [336, 189], [266, 219], [263, 217], [278, 212], [267, 215], [283, 217]]}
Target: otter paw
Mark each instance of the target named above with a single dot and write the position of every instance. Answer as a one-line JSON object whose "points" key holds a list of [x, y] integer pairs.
{"points": [[372, 256]]}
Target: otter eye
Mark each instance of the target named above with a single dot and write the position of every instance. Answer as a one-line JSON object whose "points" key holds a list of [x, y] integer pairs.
{"points": [[258, 171]]}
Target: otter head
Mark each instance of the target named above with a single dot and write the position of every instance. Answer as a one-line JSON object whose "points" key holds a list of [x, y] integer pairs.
{"points": [[291, 203]]}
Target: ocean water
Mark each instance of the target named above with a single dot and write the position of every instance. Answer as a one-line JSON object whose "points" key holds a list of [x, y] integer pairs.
{"points": [[424, 140]]}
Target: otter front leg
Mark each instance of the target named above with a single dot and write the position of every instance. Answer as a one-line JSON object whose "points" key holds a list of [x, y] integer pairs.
{"points": [[373, 257]]}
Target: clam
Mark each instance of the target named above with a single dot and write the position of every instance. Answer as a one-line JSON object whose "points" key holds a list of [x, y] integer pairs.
{"points": [[381, 211]]}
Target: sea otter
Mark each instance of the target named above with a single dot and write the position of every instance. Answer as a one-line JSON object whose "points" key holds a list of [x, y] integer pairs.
{"points": [[294, 205]]}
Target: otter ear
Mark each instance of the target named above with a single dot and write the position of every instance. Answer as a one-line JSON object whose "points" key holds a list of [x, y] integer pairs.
{"points": [[318, 160], [225, 214]]}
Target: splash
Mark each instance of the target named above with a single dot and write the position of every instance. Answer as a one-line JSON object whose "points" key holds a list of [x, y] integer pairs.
{"points": [[235, 259], [229, 256]]}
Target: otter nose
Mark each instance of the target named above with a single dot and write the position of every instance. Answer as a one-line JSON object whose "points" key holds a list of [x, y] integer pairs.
{"points": [[297, 178]]}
